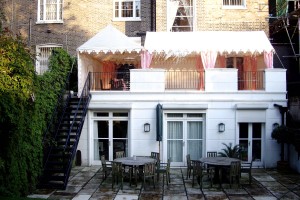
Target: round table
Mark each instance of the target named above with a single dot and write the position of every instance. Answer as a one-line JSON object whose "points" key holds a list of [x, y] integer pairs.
{"points": [[218, 163], [139, 161], [134, 163]]}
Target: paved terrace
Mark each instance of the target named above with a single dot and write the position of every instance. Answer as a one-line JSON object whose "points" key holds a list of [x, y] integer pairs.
{"points": [[87, 183]]}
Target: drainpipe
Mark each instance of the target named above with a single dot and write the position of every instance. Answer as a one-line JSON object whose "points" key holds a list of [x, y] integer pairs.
{"points": [[282, 111]]}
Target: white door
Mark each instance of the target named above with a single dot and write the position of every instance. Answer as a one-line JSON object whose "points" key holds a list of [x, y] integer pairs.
{"points": [[250, 141], [184, 135]]}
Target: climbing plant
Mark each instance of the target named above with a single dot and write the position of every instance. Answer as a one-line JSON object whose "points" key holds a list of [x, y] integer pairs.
{"points": [[27, 102]]}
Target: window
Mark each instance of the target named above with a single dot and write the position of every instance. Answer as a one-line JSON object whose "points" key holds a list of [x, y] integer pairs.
{"points": [[43, 53], [127, 10], [50, 11], [180, 15], [234, 3], [235, 62]]}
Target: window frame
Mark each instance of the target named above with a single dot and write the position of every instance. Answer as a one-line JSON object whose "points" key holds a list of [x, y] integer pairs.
{"points": [[59, 13], [192, 16], [39, 68], [119, 17], [242, 6]]}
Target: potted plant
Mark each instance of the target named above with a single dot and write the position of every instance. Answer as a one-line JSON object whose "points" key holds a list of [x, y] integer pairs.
{"points": [[283, 135], [230, 151]]}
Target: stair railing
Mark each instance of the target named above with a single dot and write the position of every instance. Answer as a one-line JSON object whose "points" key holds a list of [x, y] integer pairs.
{"points": [[83, 103]]}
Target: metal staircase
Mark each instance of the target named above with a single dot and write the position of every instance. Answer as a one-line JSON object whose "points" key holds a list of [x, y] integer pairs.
{"points": [[63, 140]]}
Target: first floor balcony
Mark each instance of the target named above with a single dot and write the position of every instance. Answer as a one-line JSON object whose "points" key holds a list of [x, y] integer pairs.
{"points": [[218, 79]]}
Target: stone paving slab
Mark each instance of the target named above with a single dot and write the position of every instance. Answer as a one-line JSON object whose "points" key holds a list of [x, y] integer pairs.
{"points": [[87, 183]]}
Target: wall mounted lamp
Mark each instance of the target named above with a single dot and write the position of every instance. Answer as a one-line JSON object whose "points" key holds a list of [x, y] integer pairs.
{"points": [[275, 125], [146, 127], [221, 127]]}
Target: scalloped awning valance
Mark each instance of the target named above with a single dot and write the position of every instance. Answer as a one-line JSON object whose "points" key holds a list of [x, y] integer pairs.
{"points": [[185, 43]]}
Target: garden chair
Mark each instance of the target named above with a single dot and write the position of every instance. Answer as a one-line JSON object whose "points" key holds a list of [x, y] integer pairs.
{"points": [[164, 168], [235, 172], [189, 166], [199, 173], [120, 154], [246, 167], [106, 167], [117, 173], [149, 173]]}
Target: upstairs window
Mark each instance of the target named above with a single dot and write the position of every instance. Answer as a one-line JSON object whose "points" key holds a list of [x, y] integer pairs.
{"points": [[180, 15], [43, 53], [126, 10], [234, 3], [50, 11]]}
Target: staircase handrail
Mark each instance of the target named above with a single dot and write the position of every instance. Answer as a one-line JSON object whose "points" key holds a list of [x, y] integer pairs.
{"points": [[84, 101]]}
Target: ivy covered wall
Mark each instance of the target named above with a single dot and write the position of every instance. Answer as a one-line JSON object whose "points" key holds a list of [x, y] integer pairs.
{"points": [[26, 105]]}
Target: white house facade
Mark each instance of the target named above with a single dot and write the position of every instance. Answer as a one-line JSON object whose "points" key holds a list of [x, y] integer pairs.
{"points": [[181, 98]]}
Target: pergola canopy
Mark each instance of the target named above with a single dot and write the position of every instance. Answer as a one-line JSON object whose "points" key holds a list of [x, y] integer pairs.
{"points": [[184, 43]]}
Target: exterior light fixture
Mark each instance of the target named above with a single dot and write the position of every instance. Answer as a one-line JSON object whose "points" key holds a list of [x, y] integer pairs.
{"points": [[275, 125], [146, 127], [221, 127]]}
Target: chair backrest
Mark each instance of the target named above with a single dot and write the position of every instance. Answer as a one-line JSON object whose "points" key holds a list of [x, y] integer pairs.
{"points": [[117, 168], [103, 162], [197, 167], [155, 155], [149, 169], [188, 160], [235, 168], [212, 154], [120, 154]]}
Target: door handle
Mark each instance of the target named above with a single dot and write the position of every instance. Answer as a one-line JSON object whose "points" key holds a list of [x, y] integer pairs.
{"points": [[249, 143]]}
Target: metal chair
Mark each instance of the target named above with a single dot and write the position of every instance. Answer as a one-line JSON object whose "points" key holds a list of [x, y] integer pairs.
{"points": [[106, 167], [120, 154], [117, 173], [189, 166], [149, 173], [235, 172], [164, 168]]}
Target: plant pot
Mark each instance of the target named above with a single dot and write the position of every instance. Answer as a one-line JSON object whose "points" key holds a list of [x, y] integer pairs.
{"points": [[283, 166]]}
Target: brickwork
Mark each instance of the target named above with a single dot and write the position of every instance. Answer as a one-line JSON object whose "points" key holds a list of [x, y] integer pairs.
{"points": [[82, 19], [211, 16]]}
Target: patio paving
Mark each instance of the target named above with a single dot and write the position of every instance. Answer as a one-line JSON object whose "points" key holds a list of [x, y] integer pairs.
{"points": [[87, 183]]}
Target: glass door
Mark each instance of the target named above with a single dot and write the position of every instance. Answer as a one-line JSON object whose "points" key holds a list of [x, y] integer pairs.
{"points": [[250, 141], [110, 134], [175, 142], [184, 136]]}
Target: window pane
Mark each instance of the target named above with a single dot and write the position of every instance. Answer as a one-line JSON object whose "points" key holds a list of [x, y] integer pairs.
{"points": [[175, 130], [183, 21], [137, 9], [194, 130], [117, 9], [243, 130], [256, 130], [100, 129], [127, 9], [175, 151], [194, 148], [120, 129]]}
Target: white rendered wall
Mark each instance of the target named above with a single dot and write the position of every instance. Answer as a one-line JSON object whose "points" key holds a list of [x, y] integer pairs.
{"points": [[218, 105]]}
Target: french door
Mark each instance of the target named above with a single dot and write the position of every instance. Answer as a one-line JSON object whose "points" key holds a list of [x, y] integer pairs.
{"points": [[110, 134], [250, 141], [184, 136]]}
